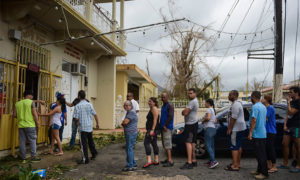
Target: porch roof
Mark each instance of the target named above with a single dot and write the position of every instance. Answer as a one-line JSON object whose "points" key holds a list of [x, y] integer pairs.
{"points": [[135, 73]]}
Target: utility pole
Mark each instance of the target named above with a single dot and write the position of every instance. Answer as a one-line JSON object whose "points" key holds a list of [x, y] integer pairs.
{"points": [[278, 64]]}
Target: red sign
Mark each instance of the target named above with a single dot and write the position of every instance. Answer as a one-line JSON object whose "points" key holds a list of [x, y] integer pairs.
{"points": [[33, 67]]}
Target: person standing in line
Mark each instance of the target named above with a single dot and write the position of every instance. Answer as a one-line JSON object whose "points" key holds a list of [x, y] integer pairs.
{"points": [[55, 122], [258, 135], [135, 105], [190, 114], [28, 124], [166, 127], [271, 133], [292, 129], [131, 131], [83, 114], [74, 125], [152, 127], [63, 119], [236, 130], [208, 122]]}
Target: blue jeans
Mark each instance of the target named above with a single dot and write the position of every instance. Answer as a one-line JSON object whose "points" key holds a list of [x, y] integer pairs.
{"points": [[74, 131], [130, 142], [209, 137]]}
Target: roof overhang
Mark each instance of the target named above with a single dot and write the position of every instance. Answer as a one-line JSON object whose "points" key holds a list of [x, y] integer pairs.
{"points": [[46, 14], [135, 73]]}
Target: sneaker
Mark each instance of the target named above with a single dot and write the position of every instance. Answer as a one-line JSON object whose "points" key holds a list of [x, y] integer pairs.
{"points": [[213, 165], [128, 169], [260, 176], [295, 170], [94, 156], [168, 164], [187, 166], [254, 173], [82, 162], [195, 164], [294, 163], [134, 167], [35, 160]]}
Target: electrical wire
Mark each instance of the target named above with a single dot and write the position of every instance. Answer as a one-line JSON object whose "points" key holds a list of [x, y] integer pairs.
{"points": [[65, 18], [247, 12]]}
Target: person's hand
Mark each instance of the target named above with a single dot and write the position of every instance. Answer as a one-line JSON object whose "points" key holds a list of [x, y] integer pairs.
{"points": [[285, 128], [228, 131], [97, 126], [288, 99], [165, 129], [77, 123], [151, 132], [42, 102], [66, 123], [37, 127], [250, 136]]}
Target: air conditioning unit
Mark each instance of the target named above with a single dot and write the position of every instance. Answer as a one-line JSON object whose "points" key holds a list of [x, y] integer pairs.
{"points": [[78, 69]]}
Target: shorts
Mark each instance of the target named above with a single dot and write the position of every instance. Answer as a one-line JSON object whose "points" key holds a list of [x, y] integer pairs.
{"points": [[236, 139], [55, 126], [190, 133], [166, 139], [294, 132]]}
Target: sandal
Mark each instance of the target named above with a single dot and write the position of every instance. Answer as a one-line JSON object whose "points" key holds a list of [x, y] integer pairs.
{"points": [[59, 154], [272, 171], [229, 168], [231, 165], [147, 165], [283, 167]]}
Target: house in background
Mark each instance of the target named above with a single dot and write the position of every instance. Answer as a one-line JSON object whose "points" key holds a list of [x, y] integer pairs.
{"points": [[131, 78], [39, 51]]}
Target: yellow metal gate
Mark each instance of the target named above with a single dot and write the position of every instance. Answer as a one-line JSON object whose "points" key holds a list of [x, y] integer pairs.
{"points": [[12, 86]]}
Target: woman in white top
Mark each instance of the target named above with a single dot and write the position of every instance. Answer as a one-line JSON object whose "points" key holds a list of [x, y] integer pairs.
{"points": [[208, 122], [55, 123]]}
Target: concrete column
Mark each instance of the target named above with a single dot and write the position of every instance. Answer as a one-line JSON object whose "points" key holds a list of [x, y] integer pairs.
{"points": [[106, 87], [121, 85], [89, 10], [122, 38], [114, 26]]}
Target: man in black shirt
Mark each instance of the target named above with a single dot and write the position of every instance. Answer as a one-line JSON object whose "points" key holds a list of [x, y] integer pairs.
{"points": [[74, 126], [292, 128]]}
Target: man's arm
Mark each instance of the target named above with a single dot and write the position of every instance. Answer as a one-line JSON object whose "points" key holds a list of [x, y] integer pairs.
{"points": [[186, 111], [97, 121], [170, 116], [137, 107], [285, 122], [291, 111], [69, 104], [231, 124], [39, 101], [35, 116], [15, 113], [252, 126]]}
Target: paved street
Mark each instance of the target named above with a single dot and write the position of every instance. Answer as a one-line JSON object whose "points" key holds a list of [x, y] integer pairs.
{"points": [[111, 160]]}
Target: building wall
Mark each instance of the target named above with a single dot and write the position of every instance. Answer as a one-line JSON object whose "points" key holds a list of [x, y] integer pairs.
{"points": [[147, 90], [121, 85], [106, 86]]}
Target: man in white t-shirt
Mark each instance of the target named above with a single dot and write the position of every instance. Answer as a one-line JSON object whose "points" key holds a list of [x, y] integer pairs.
{"points": [[236, 130], [135, 105]]}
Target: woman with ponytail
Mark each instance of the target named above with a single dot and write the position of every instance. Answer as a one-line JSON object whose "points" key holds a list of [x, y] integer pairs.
{"points": [[208, 122], [55, 123]]}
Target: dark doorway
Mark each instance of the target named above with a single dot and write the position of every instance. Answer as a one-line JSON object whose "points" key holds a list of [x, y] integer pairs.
{"points": [[32, 82], [134, 89]]}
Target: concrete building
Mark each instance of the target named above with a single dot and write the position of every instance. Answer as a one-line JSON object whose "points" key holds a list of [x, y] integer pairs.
{"points": [[42, 49], [131, 78]]}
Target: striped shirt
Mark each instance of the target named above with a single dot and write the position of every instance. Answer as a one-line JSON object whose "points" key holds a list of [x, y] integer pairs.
{"points": [[84, 112]]}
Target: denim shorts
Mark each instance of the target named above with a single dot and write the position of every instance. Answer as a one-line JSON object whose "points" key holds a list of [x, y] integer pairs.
{"points": [[55, 126], [236, 139]]}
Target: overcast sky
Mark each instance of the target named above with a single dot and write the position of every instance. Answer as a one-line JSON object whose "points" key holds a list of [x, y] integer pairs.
{"points": [[233, 67]]}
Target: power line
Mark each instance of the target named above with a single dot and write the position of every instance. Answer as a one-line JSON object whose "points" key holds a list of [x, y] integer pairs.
{"points": [[235, 34], [111, 32]]}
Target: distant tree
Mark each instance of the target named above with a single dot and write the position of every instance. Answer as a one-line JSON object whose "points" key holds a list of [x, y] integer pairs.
{"points": [[256, 85], [184, 58]]}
